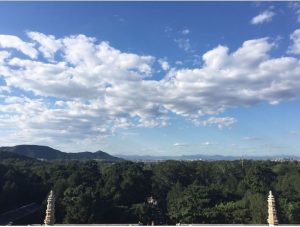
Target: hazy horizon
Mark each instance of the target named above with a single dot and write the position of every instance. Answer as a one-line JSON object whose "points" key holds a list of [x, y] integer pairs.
{"points": [[151, 78]]}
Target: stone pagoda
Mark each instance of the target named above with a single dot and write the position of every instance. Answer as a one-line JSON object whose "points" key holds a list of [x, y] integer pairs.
{"points": [[50, 212], [272, 216]]}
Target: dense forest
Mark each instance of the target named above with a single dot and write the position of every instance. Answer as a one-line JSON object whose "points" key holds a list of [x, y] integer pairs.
{"points": [[186, 192]]}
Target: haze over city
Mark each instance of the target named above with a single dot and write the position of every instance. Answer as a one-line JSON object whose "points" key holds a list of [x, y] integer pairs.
{"points": [[151, 78]]}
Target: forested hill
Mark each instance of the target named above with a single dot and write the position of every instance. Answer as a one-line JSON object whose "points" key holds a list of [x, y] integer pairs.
{"points": [[11, 155], [48, 153], [92, 192]]}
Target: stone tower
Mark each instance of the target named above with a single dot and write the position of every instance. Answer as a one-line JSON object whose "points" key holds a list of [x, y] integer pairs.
{"points": [[272, 216], [50, 212]]}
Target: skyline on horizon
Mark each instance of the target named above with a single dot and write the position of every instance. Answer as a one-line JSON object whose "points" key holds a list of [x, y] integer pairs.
{"points": [[151, 78]]}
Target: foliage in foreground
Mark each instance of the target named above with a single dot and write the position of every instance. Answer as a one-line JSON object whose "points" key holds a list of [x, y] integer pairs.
{"points": [[187, 192]]}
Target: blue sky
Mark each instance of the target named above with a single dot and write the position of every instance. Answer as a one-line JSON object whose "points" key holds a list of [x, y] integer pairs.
{"points": [[159, 78]]}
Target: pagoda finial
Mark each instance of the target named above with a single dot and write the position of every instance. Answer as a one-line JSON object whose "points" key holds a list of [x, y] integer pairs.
{"points": [[50, 212], [272, 216]]}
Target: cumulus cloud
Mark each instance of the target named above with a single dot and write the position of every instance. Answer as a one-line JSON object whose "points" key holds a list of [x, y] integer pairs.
{"points": [[10, 41], [263, 17], [3, 55], [295, 47], [48, 45], [164, 64], [86, 89]]}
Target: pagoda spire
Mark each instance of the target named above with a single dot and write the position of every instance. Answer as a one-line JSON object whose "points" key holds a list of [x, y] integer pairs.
{"points": [[272, 216], [50, 212]]}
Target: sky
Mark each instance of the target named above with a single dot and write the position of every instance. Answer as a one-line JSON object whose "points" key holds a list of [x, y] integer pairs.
{"points": [[151, 78]]}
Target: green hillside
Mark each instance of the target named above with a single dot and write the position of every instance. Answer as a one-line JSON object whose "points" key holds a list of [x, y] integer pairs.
{"points": [[48, 153]]}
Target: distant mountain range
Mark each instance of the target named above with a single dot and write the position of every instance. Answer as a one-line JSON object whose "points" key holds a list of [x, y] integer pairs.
{"points": [[48, 153], [205, 157]]}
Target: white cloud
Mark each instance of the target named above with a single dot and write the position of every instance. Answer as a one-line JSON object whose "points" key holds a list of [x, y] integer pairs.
{"points": [[95, 89], [295, 6], [221, 122], [183, 43], [180, 144], [95, 67], [251, 138], [208, 143], [48, 45], [164, 64], [295, 47], [243, 78], [3, 55], [216, 58], [4, 89], [10, 41], [263, 17], [119, 18], [185, 31]]}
